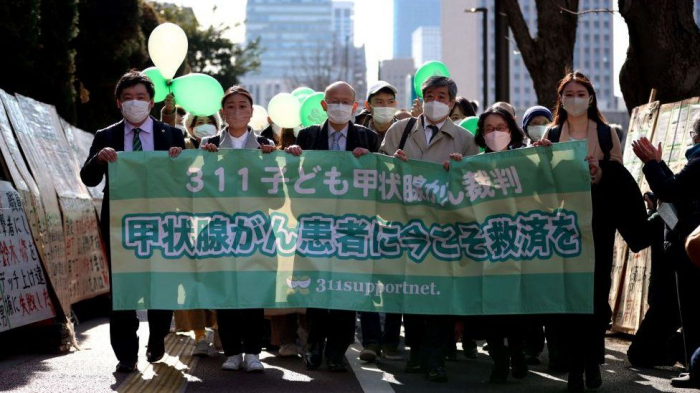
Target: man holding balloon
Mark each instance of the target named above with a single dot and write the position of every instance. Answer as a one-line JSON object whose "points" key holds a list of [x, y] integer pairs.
{"points": [[137, 131]]}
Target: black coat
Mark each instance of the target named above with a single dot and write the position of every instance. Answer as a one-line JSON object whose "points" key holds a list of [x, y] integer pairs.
{"points": [[316, 138], [681, 189], [92, 172]]}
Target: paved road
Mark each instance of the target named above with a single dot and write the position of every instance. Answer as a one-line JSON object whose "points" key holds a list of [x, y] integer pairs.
{"points": [[91, 370]]}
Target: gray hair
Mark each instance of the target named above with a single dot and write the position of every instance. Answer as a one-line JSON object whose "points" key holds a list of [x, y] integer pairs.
{"points": [[440, 81], [696, 125]]}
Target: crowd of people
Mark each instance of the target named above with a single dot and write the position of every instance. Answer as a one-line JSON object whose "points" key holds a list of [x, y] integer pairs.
{"points": [[575, 343]]}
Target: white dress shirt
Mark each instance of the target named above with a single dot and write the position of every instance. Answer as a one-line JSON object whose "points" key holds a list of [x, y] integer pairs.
{"points": [[146, 135]]}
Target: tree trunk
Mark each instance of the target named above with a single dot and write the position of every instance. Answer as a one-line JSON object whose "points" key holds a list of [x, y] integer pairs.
{"points": [[663, 53], [551, 53]]}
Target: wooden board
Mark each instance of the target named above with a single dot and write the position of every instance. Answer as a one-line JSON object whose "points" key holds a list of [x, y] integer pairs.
{"points": [[54, 253]]}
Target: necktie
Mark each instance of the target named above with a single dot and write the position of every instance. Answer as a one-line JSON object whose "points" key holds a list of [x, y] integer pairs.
{"points": [[336, 140], [435, 132], [136, 146]]}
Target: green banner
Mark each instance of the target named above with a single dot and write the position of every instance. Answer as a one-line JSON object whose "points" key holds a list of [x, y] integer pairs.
{"points": [[505, 233]]}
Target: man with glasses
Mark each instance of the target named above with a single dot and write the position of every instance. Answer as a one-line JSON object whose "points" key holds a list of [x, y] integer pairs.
{"points": [[333, 330]]}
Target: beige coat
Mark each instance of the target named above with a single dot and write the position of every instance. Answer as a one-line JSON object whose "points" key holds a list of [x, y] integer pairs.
{"points": [[451, 139], [594, 148]]}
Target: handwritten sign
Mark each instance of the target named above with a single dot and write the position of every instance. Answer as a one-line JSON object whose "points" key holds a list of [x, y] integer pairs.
{"points": [[24, 297]]}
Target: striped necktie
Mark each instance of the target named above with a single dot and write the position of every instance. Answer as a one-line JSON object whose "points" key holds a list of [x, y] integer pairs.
{"points": [[136, 146]]}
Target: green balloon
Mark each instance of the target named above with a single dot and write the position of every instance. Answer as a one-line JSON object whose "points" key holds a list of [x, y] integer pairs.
{"points": [[159, 82], [199, 94], [431, 68], [469, 124], [302, 92], [311, 110]]}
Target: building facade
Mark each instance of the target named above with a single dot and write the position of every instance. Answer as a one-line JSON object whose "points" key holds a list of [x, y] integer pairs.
{"points": [[408, 16], [306, 43], [426, 45], [297, 39], [593, 53], [395, 71]]}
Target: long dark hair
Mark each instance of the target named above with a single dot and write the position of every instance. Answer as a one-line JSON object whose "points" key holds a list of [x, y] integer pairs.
{"points": [[593, 112], [517, 136]]}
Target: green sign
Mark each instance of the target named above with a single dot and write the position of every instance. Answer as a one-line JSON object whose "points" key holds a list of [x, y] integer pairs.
{"points": [[505, 233]]}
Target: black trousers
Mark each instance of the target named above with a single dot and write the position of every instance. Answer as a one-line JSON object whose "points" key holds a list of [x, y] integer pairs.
{"points": [[511, 327], [428, 336], [335, 328], [689, 302], [123, 325], [241, 331]]}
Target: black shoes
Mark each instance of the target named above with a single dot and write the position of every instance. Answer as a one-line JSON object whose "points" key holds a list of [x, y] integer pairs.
{"points": [[313, 357], [155, 353], [413, 365], [471, 353], [501, 363], [437, 374], [336, 365], [126, 368]]}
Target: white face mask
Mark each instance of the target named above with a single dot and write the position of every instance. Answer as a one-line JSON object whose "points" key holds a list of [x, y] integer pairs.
{"points": [[436, 110], [536, 132], [204, 130], [497, 140], [339, 113], [136, 111], [277, 130], [575, 106], [383, 114]]}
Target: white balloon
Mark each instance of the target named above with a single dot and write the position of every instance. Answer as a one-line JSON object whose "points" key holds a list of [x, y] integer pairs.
{"points": [[167, 46], [283, 110], [259, 119]]}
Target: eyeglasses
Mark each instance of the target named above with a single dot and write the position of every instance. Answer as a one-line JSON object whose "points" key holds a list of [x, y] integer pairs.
{"points": [[501, 127]]}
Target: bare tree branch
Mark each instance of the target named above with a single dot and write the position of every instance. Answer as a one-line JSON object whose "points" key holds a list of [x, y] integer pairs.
{"points": [[516, 21], [596, 11]]}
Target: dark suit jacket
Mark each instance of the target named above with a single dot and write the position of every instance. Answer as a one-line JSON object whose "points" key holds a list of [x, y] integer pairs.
{"points": [[164, 137], [316, 138]]}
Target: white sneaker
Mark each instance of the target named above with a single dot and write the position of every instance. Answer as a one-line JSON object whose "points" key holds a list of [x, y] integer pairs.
{"points": [[201, 349], [233, 363], [287, 350], [252, 363]]}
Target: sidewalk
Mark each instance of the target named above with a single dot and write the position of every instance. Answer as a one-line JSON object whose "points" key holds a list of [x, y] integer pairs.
{"points": [[92, 370]]}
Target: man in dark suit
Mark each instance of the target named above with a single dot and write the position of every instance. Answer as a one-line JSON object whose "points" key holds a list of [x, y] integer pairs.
{"points": [[136, 132], [334, 329]]}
